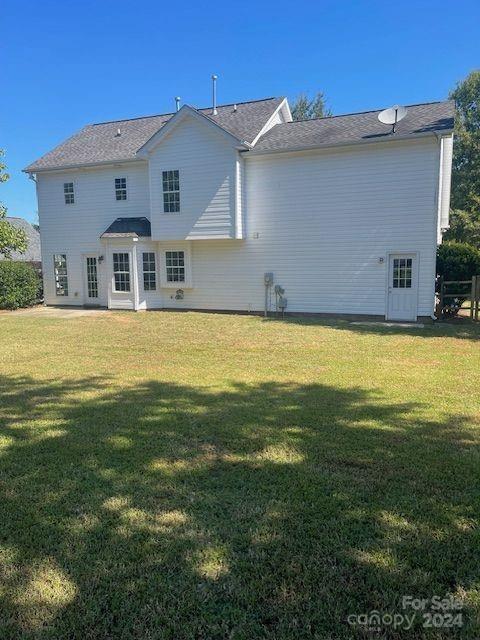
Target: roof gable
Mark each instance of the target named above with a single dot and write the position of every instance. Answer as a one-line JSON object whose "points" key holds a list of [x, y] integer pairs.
{"points": [[184, 113], [100, 143]]}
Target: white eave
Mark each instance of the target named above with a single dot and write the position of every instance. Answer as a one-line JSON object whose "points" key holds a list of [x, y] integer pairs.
{"points": [[187, 111], [86, 165]]}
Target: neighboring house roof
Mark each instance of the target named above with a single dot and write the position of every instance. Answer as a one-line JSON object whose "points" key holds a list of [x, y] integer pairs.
{"points": [[33, 253], [356, 127], [128, 228], [99, 143]]}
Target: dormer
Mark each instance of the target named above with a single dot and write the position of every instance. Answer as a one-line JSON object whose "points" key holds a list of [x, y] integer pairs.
{"points": [[196, 170]]}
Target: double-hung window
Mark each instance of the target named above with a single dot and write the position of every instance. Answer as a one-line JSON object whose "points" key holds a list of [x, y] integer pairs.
{"points": [[68, 193], [175, 266], [120, 188], [149, 272], [61, 275], [121, 271], [171, 191]]}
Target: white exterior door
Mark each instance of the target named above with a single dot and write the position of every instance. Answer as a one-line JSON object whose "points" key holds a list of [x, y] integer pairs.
{"points": [[402, 287], [90, 274]]}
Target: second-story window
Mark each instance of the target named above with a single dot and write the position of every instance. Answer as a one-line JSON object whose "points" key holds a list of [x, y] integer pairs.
{"points": [[171, 191], [68, 193], [120, 188]]}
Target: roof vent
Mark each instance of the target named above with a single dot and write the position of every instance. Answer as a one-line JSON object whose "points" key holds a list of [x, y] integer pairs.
{"points": [[118, 134], [214, 95], [235, 108], [177, 103]]}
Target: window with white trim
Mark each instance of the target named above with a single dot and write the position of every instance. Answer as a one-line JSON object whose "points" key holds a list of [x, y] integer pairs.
{"points": [[171, 191], [61, 274], [120, 188], [68, 193], [149, 271], [402, 273], [121, 271], [175, 266]]}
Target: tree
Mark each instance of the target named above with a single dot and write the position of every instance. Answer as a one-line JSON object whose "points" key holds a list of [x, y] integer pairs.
{"points": [[465, 201], [305, 108], [11, 238], [457, 261]]}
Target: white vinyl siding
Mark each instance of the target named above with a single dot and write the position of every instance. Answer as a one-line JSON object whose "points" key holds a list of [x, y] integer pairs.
{"points": [[207, 168], [324, 220], [95, 210]]}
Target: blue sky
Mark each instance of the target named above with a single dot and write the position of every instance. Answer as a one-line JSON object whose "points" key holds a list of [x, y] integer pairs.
{"points": [[66, 64]]}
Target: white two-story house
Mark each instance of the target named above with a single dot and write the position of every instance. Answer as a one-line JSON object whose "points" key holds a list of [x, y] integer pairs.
{"points": [[190, 210]]}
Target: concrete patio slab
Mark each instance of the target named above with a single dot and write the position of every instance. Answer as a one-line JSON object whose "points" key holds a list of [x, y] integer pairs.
{"points": [[55, 312]]}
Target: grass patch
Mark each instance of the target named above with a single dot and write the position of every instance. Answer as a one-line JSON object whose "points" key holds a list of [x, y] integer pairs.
{"points": [[186, 476]]}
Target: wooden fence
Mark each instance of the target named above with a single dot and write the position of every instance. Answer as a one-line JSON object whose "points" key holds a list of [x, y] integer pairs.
{"points": [[453, 294]]}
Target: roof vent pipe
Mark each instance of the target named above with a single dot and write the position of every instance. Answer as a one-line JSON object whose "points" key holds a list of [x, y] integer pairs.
{"points": [[177, 103], [214, 94]]}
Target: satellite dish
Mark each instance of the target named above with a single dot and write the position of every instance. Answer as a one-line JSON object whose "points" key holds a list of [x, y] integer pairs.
{"points": [[392, 115]]}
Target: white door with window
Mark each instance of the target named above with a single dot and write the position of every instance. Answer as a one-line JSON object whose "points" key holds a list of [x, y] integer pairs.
{"points": [[402, 287], [90, 273]]}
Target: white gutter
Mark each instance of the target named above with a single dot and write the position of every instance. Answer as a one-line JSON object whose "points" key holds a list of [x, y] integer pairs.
{"points": [[88, 165]]}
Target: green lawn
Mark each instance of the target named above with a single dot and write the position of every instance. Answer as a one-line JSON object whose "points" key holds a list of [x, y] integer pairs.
{"points": [[181, 475]]}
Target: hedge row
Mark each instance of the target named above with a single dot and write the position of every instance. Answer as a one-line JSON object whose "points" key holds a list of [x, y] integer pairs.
{"points": [[19, 285]]}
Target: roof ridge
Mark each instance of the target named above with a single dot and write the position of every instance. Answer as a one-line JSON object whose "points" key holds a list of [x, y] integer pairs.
{"points": [[359, 113], [172, 113]]}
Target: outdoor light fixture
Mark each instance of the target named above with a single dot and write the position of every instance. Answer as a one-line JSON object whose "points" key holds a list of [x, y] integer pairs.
{"points": [[100, 258]]}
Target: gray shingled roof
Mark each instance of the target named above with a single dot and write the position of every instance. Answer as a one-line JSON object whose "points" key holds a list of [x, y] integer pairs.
{"points": [[356, 127], [128, 228], [98, 143], [33, 253]]}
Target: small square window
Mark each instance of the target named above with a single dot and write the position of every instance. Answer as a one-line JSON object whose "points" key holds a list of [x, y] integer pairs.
{"points": [[120, 188]]}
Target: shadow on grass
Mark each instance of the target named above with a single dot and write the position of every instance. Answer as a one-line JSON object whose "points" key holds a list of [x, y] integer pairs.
{"points": [[459, 328], [268, 511]]}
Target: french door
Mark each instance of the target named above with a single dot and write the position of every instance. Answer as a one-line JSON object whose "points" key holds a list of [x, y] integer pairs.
{"points": [[91, 279]]}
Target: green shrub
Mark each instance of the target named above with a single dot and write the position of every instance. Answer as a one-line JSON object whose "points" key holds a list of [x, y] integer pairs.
{"points": [[457, 261], [19, 285]]}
